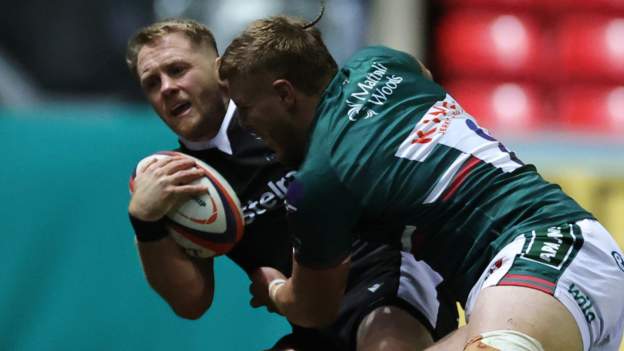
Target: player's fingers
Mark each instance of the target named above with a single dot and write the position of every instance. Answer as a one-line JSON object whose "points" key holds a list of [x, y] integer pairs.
{"points": [[177, 164], [186, 176], [189, 189], [160, 167], [158, 162], [147, 165]]}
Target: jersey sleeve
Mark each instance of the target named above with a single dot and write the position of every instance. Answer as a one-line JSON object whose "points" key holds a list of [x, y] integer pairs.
{"points": [[321, 216]]}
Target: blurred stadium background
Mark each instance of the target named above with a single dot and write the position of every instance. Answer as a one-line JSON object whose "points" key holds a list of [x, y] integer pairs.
{"points": [[547, 76]]}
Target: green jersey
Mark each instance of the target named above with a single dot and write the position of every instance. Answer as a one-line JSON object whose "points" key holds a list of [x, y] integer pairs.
{"points": [[391, 147]]}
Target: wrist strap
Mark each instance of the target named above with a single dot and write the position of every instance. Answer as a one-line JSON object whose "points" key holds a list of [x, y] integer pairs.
{"points": [[274, 286], [147, 231]]}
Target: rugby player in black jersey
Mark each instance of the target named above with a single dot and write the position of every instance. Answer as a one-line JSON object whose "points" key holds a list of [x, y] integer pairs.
{"points": [[175, 62]]}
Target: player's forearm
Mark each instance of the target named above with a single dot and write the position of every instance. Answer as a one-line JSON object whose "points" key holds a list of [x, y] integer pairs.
{"points": [[186, 284], [312, 297], [303, 309]]}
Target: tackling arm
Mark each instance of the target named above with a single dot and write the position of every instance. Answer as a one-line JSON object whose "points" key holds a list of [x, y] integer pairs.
{"points": [[311, 297]]}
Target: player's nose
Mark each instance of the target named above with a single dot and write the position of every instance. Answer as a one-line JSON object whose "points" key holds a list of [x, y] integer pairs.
{"points": [[168, 86]]}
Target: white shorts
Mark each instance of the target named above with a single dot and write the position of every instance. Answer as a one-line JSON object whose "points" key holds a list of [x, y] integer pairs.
{"points": [[584, 272]]}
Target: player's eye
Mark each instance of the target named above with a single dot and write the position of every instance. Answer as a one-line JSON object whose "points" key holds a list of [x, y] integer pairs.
{"points": [[177, 70], [150, 84]]}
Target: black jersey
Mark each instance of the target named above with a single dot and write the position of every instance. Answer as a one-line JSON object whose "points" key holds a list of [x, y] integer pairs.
{"points": [[260, 182]]}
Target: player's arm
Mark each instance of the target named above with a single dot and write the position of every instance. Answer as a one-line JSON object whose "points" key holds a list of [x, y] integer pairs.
{"points": [[311, 297], [187, 284], [321, 214]]}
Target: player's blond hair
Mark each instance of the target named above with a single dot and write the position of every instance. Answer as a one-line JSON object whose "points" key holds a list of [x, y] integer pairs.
{"points": [[283, 46], [196, 32]]}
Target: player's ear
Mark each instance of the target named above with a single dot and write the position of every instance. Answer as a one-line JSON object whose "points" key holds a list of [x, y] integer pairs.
{"points": [[285, 90], [217, 65], [222, 84]]}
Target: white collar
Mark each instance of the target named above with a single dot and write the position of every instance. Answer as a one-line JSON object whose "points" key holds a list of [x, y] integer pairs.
{"points": [[220, 141]]}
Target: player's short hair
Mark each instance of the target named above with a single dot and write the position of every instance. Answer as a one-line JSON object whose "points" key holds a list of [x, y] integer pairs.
{"points": [[284, 46], [195, 31]]}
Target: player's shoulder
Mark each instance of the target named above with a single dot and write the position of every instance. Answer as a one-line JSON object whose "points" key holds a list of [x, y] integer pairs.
{"points": [[382, 53]]}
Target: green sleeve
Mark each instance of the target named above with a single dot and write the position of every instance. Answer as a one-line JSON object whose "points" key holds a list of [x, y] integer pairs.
{"points": [[321, 215]]}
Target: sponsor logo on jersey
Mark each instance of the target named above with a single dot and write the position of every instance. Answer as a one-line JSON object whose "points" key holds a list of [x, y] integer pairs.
{"points": [[436, 121], [373, 91], [431, 128], [584, 302], [552, 248], [446, 123], [618, 259], [271, 199]]}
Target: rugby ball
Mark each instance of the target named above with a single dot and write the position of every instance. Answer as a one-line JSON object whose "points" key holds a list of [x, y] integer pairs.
{"points": [[207, 225]]}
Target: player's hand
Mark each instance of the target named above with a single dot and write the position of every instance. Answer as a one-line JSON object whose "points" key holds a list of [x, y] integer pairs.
{"points": [[259, 288], [162, 184]]}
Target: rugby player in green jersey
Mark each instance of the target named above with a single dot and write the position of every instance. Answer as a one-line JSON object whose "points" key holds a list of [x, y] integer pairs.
{"points": [[377, 143]]}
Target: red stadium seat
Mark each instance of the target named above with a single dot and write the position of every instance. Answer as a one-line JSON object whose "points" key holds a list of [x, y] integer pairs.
{"points": [[475, 44], [553, 6], [495, 4], [592, 109], [591, 48], [607, 6], [504, 108]]}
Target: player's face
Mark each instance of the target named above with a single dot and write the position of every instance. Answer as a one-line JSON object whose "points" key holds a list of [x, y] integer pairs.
{"points": [[179, 79], [264, 112]]}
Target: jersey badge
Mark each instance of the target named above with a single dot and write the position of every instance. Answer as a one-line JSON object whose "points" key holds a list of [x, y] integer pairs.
{"points": [[555, 247]]}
